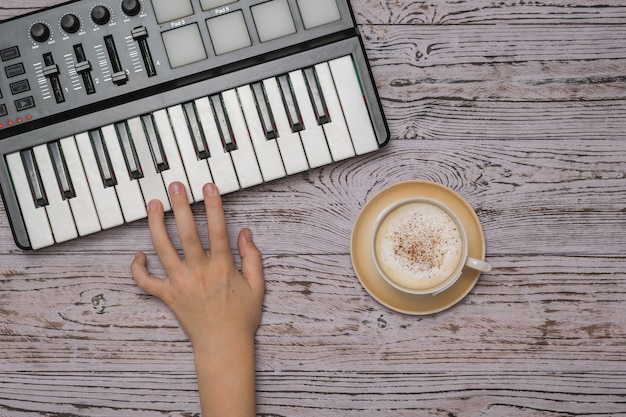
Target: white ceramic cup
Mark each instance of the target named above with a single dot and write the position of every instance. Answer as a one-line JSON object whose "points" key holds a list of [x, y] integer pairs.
{"points": [[420, 246]]}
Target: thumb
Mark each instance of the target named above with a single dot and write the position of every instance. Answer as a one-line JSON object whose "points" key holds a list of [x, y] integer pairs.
{"points": [[149, 283], [251, 261]]}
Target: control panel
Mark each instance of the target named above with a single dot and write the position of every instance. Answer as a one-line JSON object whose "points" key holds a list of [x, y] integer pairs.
{"points": [[85, 56]]}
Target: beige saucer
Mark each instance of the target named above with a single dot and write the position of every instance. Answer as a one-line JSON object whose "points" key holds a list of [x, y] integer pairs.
{"points": [[363, 264]]}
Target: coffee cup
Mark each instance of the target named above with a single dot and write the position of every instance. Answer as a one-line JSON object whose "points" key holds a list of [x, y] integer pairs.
{"points": [[420, 246]]}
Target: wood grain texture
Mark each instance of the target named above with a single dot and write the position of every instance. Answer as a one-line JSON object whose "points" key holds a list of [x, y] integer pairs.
{"points": [[520, 107]]}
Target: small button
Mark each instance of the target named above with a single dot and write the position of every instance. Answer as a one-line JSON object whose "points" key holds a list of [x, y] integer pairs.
{"points": [[3, 110], [20, 87], [15, 70], [25, 103], [316, 13], [213, 4], [273, 20], [192, 39], [10, 53], [168, 10], [229, 32]]}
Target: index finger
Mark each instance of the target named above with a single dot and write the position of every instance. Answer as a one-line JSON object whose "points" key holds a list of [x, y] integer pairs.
{"points": [[160, 239], [219, 246]]}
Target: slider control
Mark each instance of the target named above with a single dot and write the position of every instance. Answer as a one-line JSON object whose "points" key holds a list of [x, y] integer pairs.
{"points": [[140, 34], [51, 71], [83, 67], [119, 77]]}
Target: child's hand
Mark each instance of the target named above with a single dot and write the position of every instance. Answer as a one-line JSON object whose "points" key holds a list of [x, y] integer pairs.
{"points": [[205, 290], [218, 307]]}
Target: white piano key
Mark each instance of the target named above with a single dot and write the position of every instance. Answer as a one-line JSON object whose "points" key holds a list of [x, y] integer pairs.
{"points": [[176, 171], [266, 150], [83, 209], [220, 161], [128, 191], [337, 132], [58, 209], [313, 137], [353, 105], [35, 219], [289, 143], [197, 170], [244, 159], [104, 198], [152, 186]]}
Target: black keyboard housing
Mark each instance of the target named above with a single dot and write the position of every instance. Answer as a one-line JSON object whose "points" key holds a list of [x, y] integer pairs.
{"points": [[30, 69]]}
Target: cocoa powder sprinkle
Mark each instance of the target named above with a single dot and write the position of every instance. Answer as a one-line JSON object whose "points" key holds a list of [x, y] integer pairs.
{"points": [[422, 243]]}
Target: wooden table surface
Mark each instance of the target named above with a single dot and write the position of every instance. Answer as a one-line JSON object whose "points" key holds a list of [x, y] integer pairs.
{"points": [[520, 107]]}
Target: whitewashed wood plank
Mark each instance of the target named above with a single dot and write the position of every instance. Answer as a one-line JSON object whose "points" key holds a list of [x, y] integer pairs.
{"points": [[359, 393], [317, 315], [441, 12]]}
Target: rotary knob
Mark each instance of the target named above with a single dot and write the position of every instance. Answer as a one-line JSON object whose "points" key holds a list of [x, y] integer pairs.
{"points": [[100, 15], [70, 23], [40, 32], [131, 7]]}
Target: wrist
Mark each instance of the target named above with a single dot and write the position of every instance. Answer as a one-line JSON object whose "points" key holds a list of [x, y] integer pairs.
{"points": [[221, 341], [225, 367]]}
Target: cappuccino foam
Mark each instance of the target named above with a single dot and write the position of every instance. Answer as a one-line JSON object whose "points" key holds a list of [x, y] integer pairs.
{"points": [[419, 246]]}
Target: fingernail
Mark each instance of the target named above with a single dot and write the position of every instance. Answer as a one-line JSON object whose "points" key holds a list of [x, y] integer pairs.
{"points": [[176, 188], [247, 234], [210, 189], [153, 205]]}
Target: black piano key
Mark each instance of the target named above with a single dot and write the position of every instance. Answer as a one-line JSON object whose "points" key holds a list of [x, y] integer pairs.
{"points": [[34, 178], [265, 111], [290, 103], [197, 134], [102, 157], [223, 124], [60, 170], [128, 149], [316, 95], [154, 140]]}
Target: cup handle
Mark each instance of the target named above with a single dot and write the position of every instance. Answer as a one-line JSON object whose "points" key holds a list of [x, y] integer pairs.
{"points": [[477, 264]]}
